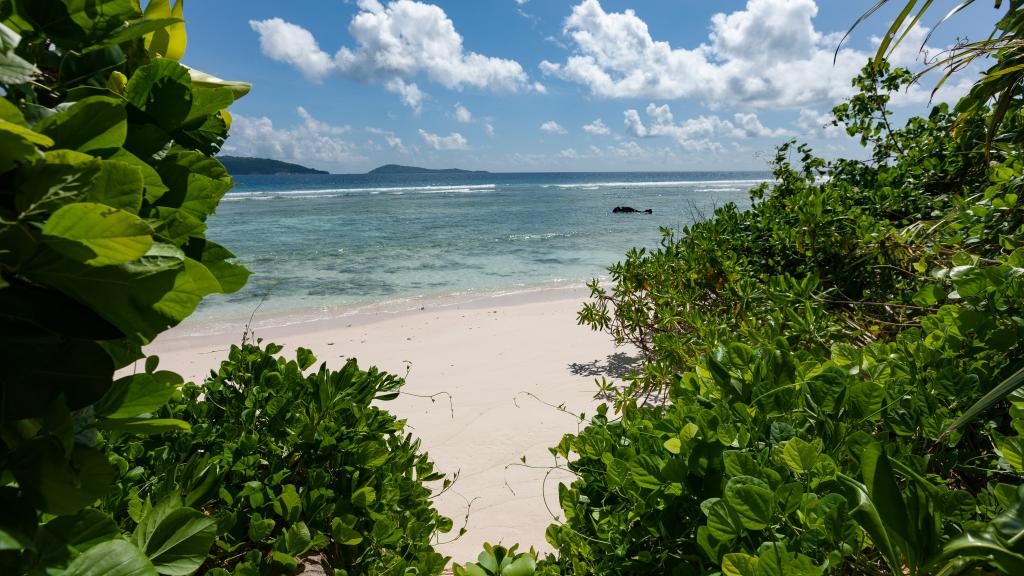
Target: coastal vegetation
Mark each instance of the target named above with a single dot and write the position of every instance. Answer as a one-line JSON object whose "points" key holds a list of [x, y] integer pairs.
{"points": [[399, 169], [236, 165], [107, 178], [831, 380]]}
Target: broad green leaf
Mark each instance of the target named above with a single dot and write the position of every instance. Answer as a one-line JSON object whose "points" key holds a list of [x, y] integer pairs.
{"points": [[752, 500], [289, 504], [800, 455], [296, 539], [864, 511], [739, 564], [58, 484], [673, 445], [232, 277], [62, 177], [162, 89], [167, 41], [524, 565], [363, 497], [13, 68], [97, 234], [344, 534], [204, 80], [1015, 381], [141, 298], [884, 492], [113, 558], [95, 123], [138, 394], [723, 522], [143, 426], [64, 536], [18, 145], [176, 539], [775, 560], [118, 185], [260, 528]]}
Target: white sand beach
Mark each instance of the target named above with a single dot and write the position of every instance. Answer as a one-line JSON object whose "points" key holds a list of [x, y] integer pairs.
{"points": [[500, 357]]}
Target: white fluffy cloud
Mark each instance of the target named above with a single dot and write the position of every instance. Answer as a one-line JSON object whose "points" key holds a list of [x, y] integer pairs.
{"points": [[291, 44], [453, 141], [391, 138], [596, 127], [768, 55], [462, 114], [311, 142], [489, 129], [394, 45], [552, 127], [696, 133], [815, 125]]}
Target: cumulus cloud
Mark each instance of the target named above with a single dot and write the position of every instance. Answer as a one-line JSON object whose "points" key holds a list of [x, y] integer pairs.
{"points": [[488, 129], [310, 142], [596, 127], [552, 127], [453, 141], [695, 133], [770, 54], [462, 114], [291, 44], [393, 45], [815, 125], [391, 138]]}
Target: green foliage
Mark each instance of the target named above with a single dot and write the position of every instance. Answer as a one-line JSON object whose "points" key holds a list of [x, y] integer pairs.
{"points": [[106, 180], [805, 405], [288, 465], [501, 561]]}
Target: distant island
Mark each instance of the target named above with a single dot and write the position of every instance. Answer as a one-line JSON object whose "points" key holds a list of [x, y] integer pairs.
{"points": [[397, 169], [243, 165]]}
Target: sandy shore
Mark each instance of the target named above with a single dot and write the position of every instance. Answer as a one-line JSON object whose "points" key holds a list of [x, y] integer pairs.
{"points": [[498, 356]]}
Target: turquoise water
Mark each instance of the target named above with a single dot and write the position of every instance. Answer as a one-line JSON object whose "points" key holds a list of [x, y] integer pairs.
{"points": [[328, 243]]}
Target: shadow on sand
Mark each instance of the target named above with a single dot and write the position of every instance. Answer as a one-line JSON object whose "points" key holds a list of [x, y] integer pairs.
{"points": [[617, 365]]}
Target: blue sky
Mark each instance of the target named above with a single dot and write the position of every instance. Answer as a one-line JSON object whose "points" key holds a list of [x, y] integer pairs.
{"points": [[545, 85]]}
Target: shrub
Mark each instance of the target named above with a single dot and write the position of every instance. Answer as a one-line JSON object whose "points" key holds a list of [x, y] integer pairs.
{"points": [[291, 466]]}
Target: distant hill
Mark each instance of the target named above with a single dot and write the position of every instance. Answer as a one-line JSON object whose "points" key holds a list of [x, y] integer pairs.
{"points": [[397, 169], [243, 165]]}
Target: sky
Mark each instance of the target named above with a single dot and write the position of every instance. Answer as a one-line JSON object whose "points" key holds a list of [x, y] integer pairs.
{"points": [[551, 85]]}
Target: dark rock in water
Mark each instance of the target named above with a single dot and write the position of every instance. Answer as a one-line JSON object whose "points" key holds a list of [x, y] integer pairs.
{"points": [[630, 210]]}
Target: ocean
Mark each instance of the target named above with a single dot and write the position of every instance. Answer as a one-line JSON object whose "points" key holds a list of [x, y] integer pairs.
{"points": [[325, 245]]}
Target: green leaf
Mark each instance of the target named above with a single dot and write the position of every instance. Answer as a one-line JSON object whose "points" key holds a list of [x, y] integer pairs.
{"points": [[1004, 389], [305, 358], [162, 89], [113, 558], [176, 539], [97, 234], [883, 491], [739, 564], [800, 455], [260, 528], [723, 522], [363, 497], [524, 565], [289, 504], [66, 536], [167, 41], [94, 123], [143, 426], [18, 145], [297, 539], [119, 185], [864, 511], [343, 534], [138, 394], [753, 501], [60, 484], [13, 68]]}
